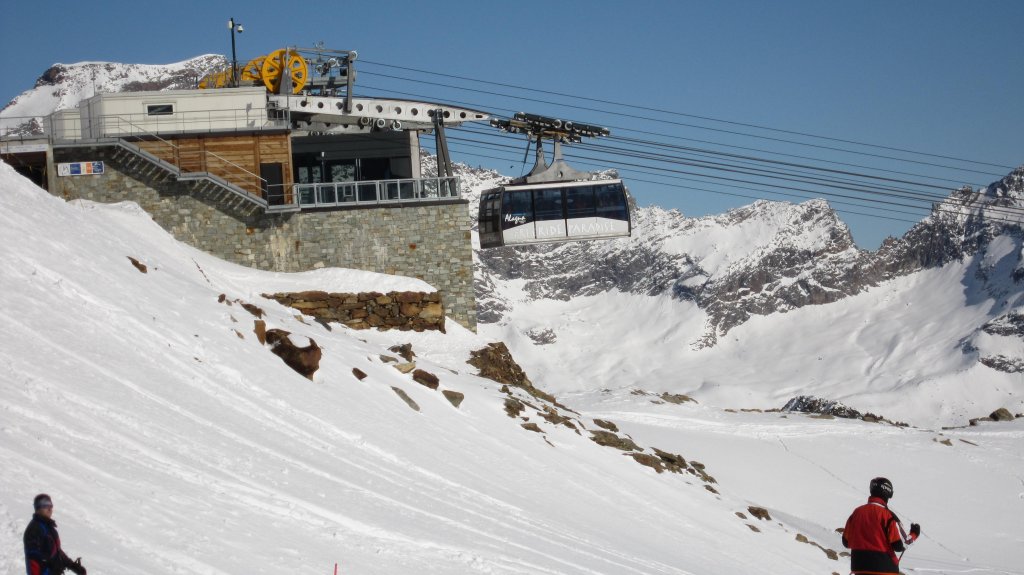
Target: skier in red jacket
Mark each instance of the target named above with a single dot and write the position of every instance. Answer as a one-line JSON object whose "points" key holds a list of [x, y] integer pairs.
{"points": [[875, 535]]}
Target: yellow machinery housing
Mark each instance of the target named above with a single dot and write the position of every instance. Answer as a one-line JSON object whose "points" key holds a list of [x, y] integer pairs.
{"points": [[270, 70]]}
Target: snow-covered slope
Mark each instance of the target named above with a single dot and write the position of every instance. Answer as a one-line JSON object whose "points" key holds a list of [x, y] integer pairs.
{"points": [[63, 86], [174, 442]]}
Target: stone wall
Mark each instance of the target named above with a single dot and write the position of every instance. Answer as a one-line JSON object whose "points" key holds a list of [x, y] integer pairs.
{"points": [[405, 311], [426, 241]]}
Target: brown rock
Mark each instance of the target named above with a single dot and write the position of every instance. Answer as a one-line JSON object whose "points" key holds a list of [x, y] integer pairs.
{"points": [[309, 305], [606, 425], [551, 415], [221, 298], [648, 460], [304, 360], [609, 439], [425, 378], [759, 512], [359, 314], [383, 300], [407, 297], [454, 397], [138, 265], [260, 328], [405, 367], [388, 359], [432, 311], [673, 462], [410, 309], [532, 427], [1001, 414], [254, 310], [405, 351], [432, 296], [360, 374], [310, 295], [677, 398], [374, 320], [405, 397], [513, 407]]}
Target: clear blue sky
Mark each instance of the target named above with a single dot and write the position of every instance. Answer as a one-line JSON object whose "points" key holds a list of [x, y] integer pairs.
{"points": [[940, 76]]}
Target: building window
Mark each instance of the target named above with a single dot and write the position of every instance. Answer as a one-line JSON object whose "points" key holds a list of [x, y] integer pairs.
{"points": [[159, 109]]}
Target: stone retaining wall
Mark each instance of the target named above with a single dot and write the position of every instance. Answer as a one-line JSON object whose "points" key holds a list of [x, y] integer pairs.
{"points": [[425, 241], [405, 311]]}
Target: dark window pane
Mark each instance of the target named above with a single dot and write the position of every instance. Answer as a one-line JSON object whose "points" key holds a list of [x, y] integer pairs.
{"points": [[579, 202], [160, 109], [517, 209], [492, 213], [547, 205], [611, 202], [342, 170]]}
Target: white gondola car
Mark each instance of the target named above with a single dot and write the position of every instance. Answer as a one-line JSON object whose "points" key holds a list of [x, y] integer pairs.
{"points": [[553, 203], [553, 212]]}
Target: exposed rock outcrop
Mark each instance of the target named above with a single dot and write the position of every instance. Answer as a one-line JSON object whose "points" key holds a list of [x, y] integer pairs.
{"points": [[495, 362], [304, 360], [405, 311], [811, 404]]}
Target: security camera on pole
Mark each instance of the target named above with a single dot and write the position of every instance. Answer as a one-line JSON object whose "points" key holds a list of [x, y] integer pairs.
{"points": [[235, 28]]}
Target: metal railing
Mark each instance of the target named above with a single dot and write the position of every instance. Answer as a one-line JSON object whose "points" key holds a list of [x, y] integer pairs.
{"points": [[74, 126], [203, 121], [374, 192], [260, 183]]}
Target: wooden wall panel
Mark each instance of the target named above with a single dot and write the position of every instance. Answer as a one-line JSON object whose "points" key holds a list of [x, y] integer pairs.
{"points": [[235, 158]]}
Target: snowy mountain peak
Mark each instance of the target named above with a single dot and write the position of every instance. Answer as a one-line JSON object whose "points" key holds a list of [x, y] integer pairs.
{"points": [[63, 86]]}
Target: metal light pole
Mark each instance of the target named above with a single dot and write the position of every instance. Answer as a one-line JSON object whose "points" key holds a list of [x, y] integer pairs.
{"points": [[234, 59]]}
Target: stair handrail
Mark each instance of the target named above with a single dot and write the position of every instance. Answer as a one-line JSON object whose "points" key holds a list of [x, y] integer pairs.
{"points": [[146, 132], [227, 161], [178, 163]]}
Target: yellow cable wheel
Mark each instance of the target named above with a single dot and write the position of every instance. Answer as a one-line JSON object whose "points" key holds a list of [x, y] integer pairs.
{"points": [[294, 66], [252, 72]]}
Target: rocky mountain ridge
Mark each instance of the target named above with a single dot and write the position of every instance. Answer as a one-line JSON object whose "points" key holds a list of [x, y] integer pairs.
{"points": [[765, 258]]}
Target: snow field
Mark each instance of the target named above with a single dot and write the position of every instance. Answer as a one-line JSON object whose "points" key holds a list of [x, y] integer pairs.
{"points": [[889, 350], [172, 445], [811, 473]]}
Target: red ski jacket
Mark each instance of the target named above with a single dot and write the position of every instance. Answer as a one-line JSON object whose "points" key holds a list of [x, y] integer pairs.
{"points": [[874, 535]]}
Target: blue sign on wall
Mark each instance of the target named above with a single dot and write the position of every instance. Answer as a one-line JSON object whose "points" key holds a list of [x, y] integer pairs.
{"points": [[80, 169]]}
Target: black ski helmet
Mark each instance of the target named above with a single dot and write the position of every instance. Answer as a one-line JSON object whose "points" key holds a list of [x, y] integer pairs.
{"points": [[881, 487]]}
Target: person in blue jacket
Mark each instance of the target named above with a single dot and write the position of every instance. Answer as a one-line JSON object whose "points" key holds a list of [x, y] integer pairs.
{"points": [[43, 554]]}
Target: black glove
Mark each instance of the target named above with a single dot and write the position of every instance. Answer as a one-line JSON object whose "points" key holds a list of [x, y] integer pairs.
{"points": [[77, 567], [915, 529]]}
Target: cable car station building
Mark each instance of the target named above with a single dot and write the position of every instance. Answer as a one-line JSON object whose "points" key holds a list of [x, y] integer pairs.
{"points": [[274, 177]]}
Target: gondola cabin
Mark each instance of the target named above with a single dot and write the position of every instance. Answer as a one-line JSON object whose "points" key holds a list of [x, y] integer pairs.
{"points": [[523, 214]]}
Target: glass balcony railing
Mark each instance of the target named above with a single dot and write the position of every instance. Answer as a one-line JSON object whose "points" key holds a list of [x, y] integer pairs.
{"points": [[376, 192]]}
